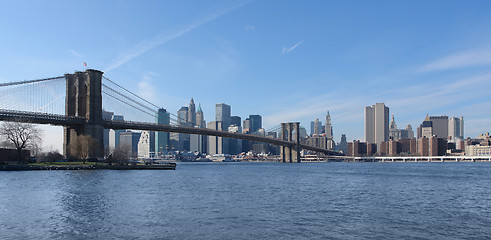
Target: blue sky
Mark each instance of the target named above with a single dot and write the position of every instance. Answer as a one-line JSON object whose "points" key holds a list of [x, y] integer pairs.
{"points": [[284, 60]]}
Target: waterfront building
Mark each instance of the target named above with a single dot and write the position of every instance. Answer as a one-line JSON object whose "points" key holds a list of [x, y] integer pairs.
{"points": [[146, 144], [328, 126], [359, 149], [440, 126], [162, 139], [376, 123], [320, 142], [456, 128], [200, 118], [128, 140], [191, 118], [256, 122], [477, 150]]}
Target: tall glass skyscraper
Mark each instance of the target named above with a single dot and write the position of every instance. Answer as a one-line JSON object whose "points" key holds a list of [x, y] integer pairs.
{"points": [[222, 112]]}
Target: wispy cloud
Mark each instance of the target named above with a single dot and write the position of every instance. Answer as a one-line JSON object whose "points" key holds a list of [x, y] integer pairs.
{"points": [[249, 27], [75, 53], [473, 57], [163, 38], [288, 50]]}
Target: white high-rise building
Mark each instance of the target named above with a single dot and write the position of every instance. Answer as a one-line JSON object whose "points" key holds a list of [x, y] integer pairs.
{"points": [[377, 124], [456, 128], [146, 145]]}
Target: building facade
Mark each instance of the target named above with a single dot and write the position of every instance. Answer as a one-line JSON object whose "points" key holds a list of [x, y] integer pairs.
{"points": [[376, 123]]}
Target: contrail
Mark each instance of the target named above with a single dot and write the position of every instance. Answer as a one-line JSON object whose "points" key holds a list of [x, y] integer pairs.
{"points": [[160, 39]]}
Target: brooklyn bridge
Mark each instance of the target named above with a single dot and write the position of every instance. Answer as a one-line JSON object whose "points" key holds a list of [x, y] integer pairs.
{"points": [[80, 111]]}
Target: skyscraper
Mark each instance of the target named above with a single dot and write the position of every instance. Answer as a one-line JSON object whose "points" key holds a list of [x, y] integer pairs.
{"points": [[456, 128], [114, 134], [182, 116], [440, 126], [236, 120], [246, 128], [328, 126], [200, 118], [146, 144], [222, 114], [427, 127], [317, 127], [192, 113], [162, 138], [376, 124], [216, 145], [256, 122]]}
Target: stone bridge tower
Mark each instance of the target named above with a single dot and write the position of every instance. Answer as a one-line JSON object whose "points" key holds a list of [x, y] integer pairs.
{"points": [[290, 154], [84, 99]]}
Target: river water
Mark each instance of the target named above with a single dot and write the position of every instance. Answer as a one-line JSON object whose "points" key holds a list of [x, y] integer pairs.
{"points": [[251, 201]]}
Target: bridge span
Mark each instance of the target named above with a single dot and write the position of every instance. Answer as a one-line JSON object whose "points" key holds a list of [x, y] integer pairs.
{"points": [[83, 115]]}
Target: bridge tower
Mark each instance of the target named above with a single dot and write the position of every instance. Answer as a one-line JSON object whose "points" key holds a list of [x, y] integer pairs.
{"points": [[84, 99], [290, 154]]}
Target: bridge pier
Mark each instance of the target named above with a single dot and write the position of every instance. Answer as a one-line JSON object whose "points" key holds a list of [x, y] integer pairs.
{"points": [[290, 154], [84, 99]]}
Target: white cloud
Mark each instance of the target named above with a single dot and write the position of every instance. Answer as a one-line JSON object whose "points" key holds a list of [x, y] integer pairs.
{"points": [[163, 38], [473, 57], [249, 27], [288, 50], [76, 54]]}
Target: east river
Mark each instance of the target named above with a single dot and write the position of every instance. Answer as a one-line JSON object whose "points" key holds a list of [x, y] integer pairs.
{"points": [[251, 201]]}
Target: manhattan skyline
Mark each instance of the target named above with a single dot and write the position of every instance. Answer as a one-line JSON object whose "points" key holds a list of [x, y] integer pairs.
{"points": [[286, 61]]}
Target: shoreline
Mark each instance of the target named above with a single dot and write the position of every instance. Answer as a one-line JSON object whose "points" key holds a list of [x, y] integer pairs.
{"points": [[169, 166]]}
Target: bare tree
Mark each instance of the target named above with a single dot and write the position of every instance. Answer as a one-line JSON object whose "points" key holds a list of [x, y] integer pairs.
{"points": [[121, 154], [21, 135], [83, 146]]}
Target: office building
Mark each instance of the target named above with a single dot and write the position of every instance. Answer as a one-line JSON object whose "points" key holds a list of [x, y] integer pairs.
{"points": [[376, 123], [246, 127], [456, 128], [162, 139], [317, 128], [343, 144], [192, 113], [328, 126], [396, 134], [128, 140], [440, 126], [256, 122], [200, 118], [114, 134], [216, 145], [427, 128], [146, 144], [236, 120], [222, 114]]}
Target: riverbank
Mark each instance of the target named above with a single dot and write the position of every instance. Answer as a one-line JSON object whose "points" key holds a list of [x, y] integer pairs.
{"points": [[94, 166]]}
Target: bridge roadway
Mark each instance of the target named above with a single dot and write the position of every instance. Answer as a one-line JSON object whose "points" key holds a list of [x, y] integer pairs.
{"points": [[62, 120]]}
